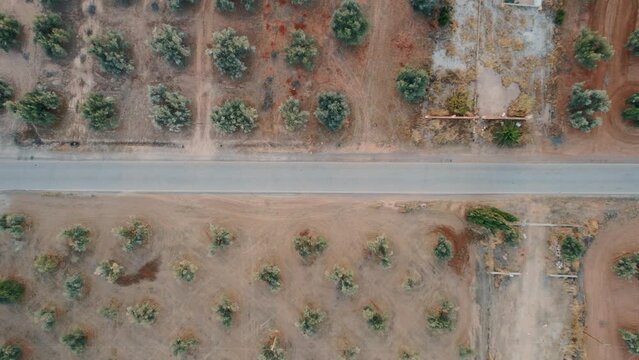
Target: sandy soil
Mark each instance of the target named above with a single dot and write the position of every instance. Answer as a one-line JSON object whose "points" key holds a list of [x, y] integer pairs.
{"points": [[265, 227]]}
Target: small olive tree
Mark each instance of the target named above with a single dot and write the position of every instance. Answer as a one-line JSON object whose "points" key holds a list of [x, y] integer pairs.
{"points": [[332, 110], [633, 42], [6, 93], [36, 107], [10, 352], [443, 249], [271, 349], [77, 237], [76, 341], [631, 339], [111, 310], [111, 51], [408, 355], [73, 286], [349, 353], [170, 110], [15, 224], [349, 23], [343, 280], [168, 41], [46, 318], [375, 319], [184, 270], [309, 247], [184, 345], [229, 52], [50, 34], [226, 310], [109, 270], [426, 7], [631, 113], [590, 48], [99, 111], [144, 313], [294, 117], [134, 235], [301, 50], [11, 291], [412, 84], [9, 32], [583, 104], [270, 274], [234, 116], [442, 318], [178, 4], [310, 321], [221, 238], [229, 5], [47, 263], [380, 249]]}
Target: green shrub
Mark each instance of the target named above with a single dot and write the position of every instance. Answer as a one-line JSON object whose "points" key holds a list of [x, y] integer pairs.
{"points": [[111, 51], [465, 352], [426, 7], [99, 111], [375, 319], [507, 134], [184, 345], [560, 16], [49, 3], [110, 270], [170, 110], [631, 113], [11, 291], [572, 249], [15, 224], [220, 238], [459, 103], [36, 107], [443, 249], [412, 83], [380, 249], [9, 32], [49, 33], [627, 267], [76, 341], [10, 352], [309, 247], [6, 91], [233, 116], [272, 350], [408, 355], [492, 219], [442, 319], [134, 235], [168, 41], [633, 42], [349, 23], [310, 321], [46, 263], [292, 114], [72, 287], [332, 110], [583, 104], [445, 16], [270, 274], [343, 280], [229, 52], [225, 311], [590, 48], [77, 237], [184, 270], [144, 313], [110, 311], [46, 318], [300, 2], [411, 282], [229, 5], [301, 50], [631, 339], [178, 4], [350, 353]]}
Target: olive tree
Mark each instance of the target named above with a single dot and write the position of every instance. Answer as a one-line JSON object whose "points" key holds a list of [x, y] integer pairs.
{"points": [[168, 41], [134, 235], [184, 345], [11, 291], [631, 113], [583, 104], [15, 224], [77, 237], [343, 280], [10, 352], [375, 319], [332, 110], [50, 34], [169, 109], [301, 2], [184, 270], [294, 117], [110, 311], [271, 349], [76, 341], [37, 107], [111, 51], [6, 93], [310, 321], [99, 111], [109, 270], [349, 353], [221, 238], [301, 50], [308, 246], [412, 83], [380, 249], [226, 310], [234, 116], [143, 313], [443, 249], [590, 48], [230, 52], [73, 286], [178, 4], [627, 267], [631, 339], [46, 263], [349, 23], [229, 5], [9, 32], [408, 355], [633, 42], [270, 274], [426, 7], [442, 318], [46, 317]]}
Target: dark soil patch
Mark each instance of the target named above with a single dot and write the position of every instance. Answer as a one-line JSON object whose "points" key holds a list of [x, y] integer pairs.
{"points": [[147, 272]]}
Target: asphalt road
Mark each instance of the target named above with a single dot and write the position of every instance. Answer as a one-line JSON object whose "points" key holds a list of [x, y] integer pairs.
{"points": [[320, 177]]}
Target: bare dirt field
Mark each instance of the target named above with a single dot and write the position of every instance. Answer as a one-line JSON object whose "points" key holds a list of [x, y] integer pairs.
{"points": [[497, 317]]}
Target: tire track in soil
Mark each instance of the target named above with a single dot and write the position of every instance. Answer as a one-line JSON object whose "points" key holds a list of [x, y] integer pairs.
{"points": [[202, 128]]}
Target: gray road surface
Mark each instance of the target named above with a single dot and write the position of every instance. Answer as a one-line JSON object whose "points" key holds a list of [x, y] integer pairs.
{"points": [[320, 177]]}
